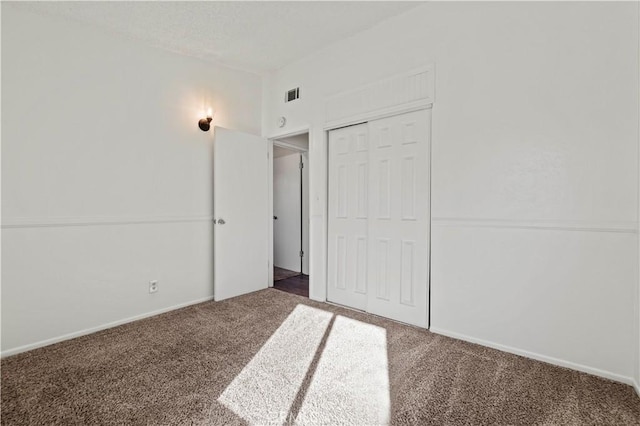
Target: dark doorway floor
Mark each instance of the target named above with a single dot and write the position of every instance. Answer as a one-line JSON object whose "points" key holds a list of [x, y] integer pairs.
{"points": [[296, 285], [282, 274]]}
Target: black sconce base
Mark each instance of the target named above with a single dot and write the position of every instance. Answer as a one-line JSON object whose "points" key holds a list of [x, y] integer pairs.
{"points": [[205, 124]]}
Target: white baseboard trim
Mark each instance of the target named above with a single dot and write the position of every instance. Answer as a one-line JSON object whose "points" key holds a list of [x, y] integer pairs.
{"points": [[538, 357], [91, 330], [636, 386], [315, 297]]}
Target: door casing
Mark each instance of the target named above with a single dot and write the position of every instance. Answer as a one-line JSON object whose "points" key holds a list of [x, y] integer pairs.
{"points": [[360, 120], [271, 141], [417, 318], [318, 187]]}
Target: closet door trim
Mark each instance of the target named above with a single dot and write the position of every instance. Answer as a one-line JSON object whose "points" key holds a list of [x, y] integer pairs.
{"points": [[408, 91], [406, 296]]}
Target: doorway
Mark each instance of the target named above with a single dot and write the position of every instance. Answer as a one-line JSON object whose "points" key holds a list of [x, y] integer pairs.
{"points": [[291, 214]]}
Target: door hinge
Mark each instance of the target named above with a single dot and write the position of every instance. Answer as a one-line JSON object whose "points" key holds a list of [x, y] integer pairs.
{"points": [[301, 253], [301, 165]]}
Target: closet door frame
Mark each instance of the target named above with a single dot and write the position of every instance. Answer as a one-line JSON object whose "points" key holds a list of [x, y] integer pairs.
{"points": [[402, 92], [364, 119]]}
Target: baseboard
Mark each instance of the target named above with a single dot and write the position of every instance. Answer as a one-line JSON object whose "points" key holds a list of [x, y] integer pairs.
{"points": [[91, 330], [636, 386], [538, 357], [316, 298]]}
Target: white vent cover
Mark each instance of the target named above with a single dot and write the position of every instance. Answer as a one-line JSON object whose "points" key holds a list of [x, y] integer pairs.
{"points": [[292, 95]]}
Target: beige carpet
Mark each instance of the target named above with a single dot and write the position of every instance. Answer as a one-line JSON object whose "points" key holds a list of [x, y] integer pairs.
{"points": [[271, 358]]}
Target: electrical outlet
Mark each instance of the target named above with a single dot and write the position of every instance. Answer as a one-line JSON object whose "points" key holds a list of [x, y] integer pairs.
{"points": [[153, 286]]}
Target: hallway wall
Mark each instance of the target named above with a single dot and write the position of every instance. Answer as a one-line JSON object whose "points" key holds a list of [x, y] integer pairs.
{"points": [[287, 208]]}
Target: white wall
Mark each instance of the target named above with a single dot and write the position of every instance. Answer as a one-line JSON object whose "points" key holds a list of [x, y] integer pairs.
{"points": [[534, 168], [287, 208], [106, 178]]}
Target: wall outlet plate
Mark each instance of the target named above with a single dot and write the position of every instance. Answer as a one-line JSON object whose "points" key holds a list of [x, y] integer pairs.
{"points": [[153, 286]]}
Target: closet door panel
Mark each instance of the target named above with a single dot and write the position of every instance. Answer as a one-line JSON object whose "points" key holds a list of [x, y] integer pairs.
{"points": [[399, 217], [348, 216]]}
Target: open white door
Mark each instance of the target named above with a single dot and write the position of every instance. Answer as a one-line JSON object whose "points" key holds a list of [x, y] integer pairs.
{"points": [[240, 205]]}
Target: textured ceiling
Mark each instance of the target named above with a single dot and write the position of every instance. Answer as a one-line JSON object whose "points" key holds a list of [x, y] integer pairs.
{"points": [[253, 36]]}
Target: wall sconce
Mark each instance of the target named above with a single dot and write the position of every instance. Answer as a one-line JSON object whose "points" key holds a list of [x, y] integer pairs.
{"points": [[205, 123]]}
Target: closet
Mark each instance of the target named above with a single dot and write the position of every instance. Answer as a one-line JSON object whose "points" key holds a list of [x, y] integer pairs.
{"points": [[379, 215]]}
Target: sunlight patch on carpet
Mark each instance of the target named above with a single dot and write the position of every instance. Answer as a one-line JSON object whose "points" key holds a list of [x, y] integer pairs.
{"points": [[351, 381], [346, 368], [265, 389]]}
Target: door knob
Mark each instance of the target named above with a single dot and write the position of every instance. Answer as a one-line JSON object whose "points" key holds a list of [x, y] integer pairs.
{"points": [[275, 217], [221, 222]]}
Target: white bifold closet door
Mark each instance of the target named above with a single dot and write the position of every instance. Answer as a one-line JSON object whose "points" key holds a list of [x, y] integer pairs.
{"points": [[379, 217], [348, 217]]}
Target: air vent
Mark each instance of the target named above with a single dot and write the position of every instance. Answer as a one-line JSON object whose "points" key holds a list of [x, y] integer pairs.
{"points": [[292, 95]]}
